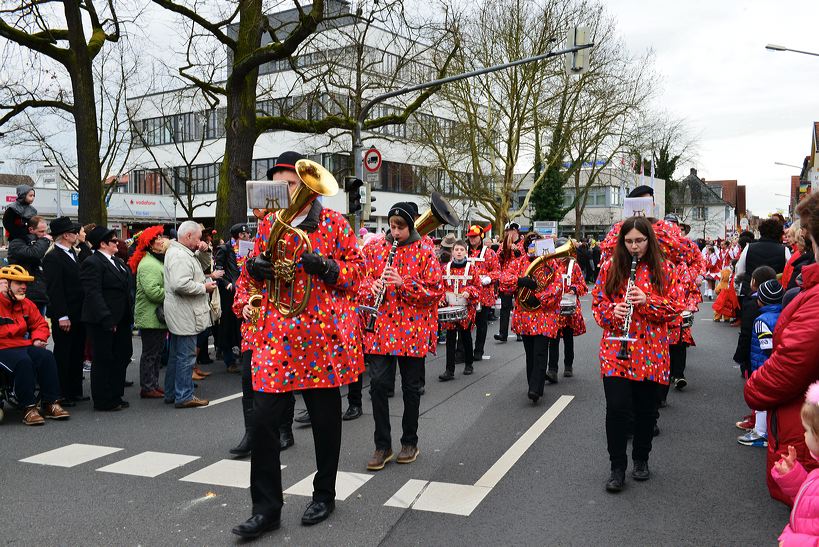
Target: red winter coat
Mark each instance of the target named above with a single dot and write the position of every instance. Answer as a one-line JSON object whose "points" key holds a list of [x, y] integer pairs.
{"points": [[470, 289], [27, 320], [578, 284], [649, 325], [543, 320], [486, 266], [320, 347], [408, 323], [779, 387]]}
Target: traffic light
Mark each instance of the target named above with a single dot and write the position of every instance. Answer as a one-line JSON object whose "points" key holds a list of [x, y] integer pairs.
{"points": [[366, 202], [353, 187]]}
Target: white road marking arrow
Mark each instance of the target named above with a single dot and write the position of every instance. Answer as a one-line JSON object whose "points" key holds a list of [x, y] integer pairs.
{"points": [[462, 499]]}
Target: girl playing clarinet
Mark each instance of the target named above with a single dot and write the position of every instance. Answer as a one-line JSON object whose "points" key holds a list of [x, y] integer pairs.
{"points": [[646, 297]]}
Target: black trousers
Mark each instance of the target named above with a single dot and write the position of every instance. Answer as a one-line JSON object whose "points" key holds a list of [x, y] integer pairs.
{"points": [[382, 377], [248, 394], [629, 402], [269, 409], [112, 353], [677, 354], [536, 348], [481, 325], [69, 348], [567, 335], [452, 346], [505, 312]]}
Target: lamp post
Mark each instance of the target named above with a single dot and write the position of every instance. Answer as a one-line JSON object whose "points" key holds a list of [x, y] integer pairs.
{"points": [[791, 199], [774, 47]]}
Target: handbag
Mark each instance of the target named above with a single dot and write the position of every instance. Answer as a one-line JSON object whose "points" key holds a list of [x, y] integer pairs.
{"points": [[160, 312]]}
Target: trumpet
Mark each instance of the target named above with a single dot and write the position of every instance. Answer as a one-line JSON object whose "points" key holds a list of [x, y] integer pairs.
{"points": [[315, 181], [568, 249]]}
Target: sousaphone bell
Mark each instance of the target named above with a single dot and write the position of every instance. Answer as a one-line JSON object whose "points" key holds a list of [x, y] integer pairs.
{"points": [[440, 212]]}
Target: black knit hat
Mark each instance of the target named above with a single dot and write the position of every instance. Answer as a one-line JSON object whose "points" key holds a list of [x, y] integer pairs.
{"points": [[240, 228], [405, 210], [641, 191], [770, 292]]}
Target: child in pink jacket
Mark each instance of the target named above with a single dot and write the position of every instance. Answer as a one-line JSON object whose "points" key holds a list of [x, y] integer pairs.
{"points": [[796, 483]]}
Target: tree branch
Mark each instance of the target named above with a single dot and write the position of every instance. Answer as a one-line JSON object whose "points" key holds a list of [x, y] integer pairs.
{"points": [[213, 28], [32, 103]]}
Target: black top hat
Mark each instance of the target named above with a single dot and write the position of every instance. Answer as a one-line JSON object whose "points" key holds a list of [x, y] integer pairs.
{"points": [[641, 191], [61, 225], [285, 162], [98, 235]]}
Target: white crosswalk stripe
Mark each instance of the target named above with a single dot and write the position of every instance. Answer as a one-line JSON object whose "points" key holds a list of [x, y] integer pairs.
{"points": [[148, 464], [71, 455], [346, 485]]}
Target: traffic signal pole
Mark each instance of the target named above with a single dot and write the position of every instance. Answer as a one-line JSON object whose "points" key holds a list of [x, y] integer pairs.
{"points": [[358, 144]]}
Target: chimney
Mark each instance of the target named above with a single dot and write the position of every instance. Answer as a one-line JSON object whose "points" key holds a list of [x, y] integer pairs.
{"points": [[693, 171]]}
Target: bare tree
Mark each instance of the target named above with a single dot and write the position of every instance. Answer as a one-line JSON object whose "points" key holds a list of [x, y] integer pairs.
{"points": [[51, 46], [240, 27]]}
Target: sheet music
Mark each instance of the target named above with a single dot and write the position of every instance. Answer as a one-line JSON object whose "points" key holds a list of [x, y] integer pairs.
{"points": [[245, 247]]}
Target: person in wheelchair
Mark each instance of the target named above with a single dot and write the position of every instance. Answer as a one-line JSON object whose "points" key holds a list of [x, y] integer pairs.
{"points": [[23, 357]]}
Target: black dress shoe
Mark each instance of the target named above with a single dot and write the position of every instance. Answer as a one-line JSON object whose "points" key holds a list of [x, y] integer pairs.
{"points": [[568, 373], [107, 408], [303, 417], [551, 376], [286, 439], [477, 357], [640, 471], [242, 450], [352, 413], [317, 511], [468, 370], [533, 397], [256, 526], [656, 431], [500, 338], [206, 360], [391, 393], [124, 404], [446, 376], [129, 383], [422, 390], [616, 481], [520, 338]]}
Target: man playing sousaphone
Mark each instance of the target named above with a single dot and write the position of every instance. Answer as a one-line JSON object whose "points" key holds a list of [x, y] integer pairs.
{"points": [[314, 348], [407, 294]]}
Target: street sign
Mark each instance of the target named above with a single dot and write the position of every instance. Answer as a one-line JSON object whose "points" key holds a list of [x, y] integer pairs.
{"points": [[372, 160], [372, 178], [75, 199], [546, 228]]}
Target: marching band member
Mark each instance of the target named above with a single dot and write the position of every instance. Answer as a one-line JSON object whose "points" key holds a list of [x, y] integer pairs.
{"points": [[461, 279], [315, 351], [406, 330], [531, 319], [572, 285], [510, 253], [487, 267], [631, 382]]}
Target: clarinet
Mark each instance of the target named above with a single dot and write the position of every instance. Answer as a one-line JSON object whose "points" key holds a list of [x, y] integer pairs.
{"points": [[380, 296], [625, 354]]}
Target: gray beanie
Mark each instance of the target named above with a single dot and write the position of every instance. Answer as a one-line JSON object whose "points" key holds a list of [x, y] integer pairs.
{"points": [[23, 190]]}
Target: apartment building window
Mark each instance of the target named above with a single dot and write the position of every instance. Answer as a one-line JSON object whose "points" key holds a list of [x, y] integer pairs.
{"points": [[146, 181], [699, 213], [200, 179]]}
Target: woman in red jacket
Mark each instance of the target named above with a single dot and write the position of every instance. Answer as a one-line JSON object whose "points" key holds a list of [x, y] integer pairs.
{"points": [[632, 385], [535, 322], [780, 385], [508, 256], [23, 337]]}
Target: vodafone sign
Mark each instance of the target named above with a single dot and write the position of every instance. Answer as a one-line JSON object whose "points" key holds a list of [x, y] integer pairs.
{"points": [[372, 160]]}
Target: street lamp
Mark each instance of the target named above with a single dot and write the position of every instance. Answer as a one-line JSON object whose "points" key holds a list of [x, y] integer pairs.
{"points": [[788, 165], [774, 47]]}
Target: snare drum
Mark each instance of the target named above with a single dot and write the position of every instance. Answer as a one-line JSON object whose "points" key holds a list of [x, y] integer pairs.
{"points": [[568, 306], [452, 313], [687, 319], [453, 299]]}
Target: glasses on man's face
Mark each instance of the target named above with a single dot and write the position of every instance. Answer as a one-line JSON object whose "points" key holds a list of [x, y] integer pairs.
{"points": [[636, 241]]}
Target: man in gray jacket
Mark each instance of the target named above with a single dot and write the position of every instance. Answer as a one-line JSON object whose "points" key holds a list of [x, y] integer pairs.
{"points": [[187, 313]]}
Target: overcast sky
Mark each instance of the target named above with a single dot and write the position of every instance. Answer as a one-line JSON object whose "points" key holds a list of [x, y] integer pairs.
{"points": [[750, 107]]}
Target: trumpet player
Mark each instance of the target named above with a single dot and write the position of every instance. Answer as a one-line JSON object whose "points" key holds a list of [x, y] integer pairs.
{"points": [[462, 285], [404, 330], [315, 349], [531, 319], [568, 316], [631, 383]]}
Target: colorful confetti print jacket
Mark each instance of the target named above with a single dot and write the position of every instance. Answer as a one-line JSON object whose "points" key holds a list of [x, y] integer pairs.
{"points": [[669, 237], [471, 289], [490, 267], [321, 347], [649, 325], [578, 283], [240, 299], [408, 322], [542, 321]]}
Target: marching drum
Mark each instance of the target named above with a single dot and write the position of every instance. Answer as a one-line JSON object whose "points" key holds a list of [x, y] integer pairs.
{"points": [[452, 313], [453, 299], [568, 305], [687, 319]]}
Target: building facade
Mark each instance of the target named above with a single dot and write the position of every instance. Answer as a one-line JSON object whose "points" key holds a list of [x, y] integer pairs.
{"points": [[700, 205]]}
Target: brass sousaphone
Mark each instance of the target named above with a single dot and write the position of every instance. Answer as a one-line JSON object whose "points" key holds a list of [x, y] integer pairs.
{"points": [[440, 212], [315, 181]]}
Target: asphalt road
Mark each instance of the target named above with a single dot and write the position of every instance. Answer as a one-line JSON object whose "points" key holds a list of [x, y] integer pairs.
{"points": [[705, 488]]}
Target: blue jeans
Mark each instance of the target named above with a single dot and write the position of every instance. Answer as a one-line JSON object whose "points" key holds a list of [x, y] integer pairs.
{"points": [[181, 358]]}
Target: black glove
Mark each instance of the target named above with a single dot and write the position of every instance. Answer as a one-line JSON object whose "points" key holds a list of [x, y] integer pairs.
{"points": [[259, 268], [527, 282], [325, 268], [533, 301]]}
